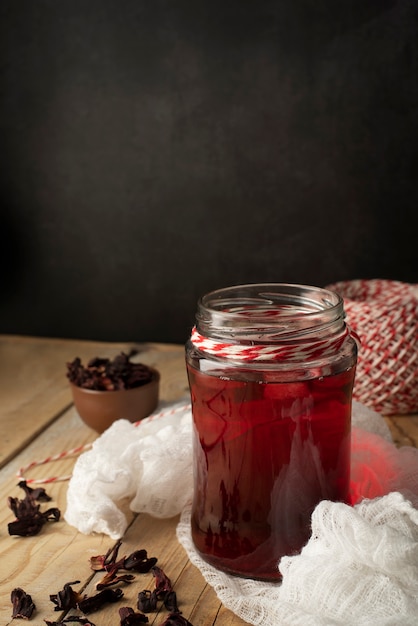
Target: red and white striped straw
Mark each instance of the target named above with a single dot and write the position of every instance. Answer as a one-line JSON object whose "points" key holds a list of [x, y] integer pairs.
{"points": [[49, 459]]}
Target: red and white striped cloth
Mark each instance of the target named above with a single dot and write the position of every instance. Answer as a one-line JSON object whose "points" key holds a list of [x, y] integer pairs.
{"points": [[384, 314]]}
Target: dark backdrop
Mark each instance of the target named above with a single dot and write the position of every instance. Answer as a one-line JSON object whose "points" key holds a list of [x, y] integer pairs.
{"points": [[154, 150]]}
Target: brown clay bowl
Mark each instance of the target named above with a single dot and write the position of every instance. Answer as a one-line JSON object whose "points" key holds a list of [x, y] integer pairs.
{"points": [[99, 409]]}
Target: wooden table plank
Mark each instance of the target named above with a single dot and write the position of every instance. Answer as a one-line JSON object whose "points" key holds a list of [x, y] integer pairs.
{"points": [[34, 389], [34, 423], [196, 599], [59, 554], [404, 429], [40, 564]]}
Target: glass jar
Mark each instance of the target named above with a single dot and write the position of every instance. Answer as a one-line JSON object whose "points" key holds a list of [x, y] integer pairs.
{"points": [[271, 371]]}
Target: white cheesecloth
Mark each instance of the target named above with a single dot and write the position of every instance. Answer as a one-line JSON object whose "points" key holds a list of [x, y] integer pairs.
{"points": [[360, 566]]}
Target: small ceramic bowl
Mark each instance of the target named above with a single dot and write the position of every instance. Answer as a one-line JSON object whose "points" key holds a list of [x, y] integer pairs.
{"points": [[99, 409]]}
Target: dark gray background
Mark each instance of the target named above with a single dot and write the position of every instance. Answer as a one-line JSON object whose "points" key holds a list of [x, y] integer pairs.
{"points": [[154, 150]]}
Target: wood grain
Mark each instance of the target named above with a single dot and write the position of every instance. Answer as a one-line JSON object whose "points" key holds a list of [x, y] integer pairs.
{"points": [[404, 429], [37, 420], [34, 389], [59, 554], [36, 398]]}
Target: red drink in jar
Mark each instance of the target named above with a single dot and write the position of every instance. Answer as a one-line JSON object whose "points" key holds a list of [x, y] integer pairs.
{"points": [[272, 428]]}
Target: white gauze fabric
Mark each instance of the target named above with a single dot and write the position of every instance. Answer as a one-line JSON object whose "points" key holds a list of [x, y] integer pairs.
{"points": [[360, 566], [150, 464]]}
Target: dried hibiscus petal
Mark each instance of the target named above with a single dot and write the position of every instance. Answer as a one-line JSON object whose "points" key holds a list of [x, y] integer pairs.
{"points": [[102, 561], [104, 374], [128, 617], [38, 493], [147, 601], [138, 561], [162, 582], [23, 606], [29, 518], [51, 515], [30, 525], [23, 508], [94, 603], [67, 598], [113, 578], [170, 602], [97, 562], [25, 527]]}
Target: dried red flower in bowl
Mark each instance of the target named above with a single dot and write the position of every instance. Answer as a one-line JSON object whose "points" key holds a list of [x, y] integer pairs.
{"points": [[106, 390]]}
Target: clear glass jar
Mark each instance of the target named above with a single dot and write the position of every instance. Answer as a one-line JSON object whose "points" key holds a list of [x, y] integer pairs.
{"points": [[271, 371]]}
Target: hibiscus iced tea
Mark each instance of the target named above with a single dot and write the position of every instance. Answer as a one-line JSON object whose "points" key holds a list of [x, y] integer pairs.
{"points": [[271, 372], [265, 454]]}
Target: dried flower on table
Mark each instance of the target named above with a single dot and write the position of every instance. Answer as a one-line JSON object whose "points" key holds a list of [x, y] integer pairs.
{"points": [[147, 601], [113, 578], [138, 561], [29, 517], [104, 561], [170, 602], [23, 606], [104, 374], [67, 598], [99, 562], [162, 582], [128, 617], [94, 603], [111, 566], [38, 493]]}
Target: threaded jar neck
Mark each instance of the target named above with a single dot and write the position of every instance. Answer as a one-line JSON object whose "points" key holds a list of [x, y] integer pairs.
{"points": [[269, 313]]}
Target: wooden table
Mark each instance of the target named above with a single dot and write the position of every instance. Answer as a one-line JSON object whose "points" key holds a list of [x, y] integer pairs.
{"points": [[37, 419]]}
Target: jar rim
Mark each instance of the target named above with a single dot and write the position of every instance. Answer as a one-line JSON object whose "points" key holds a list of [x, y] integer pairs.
{"points": [[283, 308]]}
